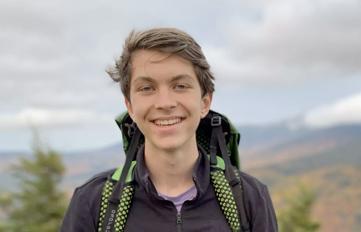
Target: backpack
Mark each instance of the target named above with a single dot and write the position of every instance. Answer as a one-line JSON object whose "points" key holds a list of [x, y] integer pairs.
{"points": [[216, 136]]}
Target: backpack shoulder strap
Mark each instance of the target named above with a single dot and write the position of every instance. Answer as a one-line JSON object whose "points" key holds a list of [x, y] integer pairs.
{"points": [[240, 201], [115, 213], [225, 198], [226, 181], [230, 197], [116, 219], [129, 178]]}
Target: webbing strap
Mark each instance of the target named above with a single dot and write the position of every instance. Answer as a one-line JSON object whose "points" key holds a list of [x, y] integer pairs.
{"points": [[239, 195], [124, 202], [234, 182], [117, 194], [218, 140], [116, 175], [213, 149], [130, 156]]}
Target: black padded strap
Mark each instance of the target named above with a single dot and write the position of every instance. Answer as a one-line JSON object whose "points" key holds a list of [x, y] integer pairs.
{"points": [[213, 149], [131, 153], [108, 224], [218, 140], [239, 196], [110, 215], [231, 172]]}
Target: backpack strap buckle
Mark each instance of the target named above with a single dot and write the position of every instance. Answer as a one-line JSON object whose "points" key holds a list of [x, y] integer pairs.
{"points": [[216, 121]]}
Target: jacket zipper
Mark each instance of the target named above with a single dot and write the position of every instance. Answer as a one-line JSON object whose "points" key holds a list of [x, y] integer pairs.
{"points": [[179, 222]]}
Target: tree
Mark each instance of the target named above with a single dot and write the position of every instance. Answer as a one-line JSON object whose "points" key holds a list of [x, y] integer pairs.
{"points": [[296, 216], [39, 205]]}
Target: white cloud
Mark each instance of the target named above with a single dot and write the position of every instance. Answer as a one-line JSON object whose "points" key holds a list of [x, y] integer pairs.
{"points": [[344, 111], [40, 117], [54, 52], [296, 41]]}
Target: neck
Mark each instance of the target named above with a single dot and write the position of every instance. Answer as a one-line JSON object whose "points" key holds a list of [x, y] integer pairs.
{"points": [[171, 171]]}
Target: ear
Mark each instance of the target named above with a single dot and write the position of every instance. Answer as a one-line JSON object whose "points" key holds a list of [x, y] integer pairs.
{"points": [[128, 104], [206, 104]]}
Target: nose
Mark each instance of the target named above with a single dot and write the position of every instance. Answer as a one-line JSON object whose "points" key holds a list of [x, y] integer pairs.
{"points": [[165, 99]]}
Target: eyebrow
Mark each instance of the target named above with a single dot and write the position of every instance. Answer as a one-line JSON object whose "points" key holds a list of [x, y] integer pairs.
{"points": [[143, 78], [180, 77], [175, 78]]}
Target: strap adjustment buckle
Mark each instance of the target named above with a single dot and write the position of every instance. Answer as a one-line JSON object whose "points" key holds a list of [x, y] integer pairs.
{"points": [[216, 120]]}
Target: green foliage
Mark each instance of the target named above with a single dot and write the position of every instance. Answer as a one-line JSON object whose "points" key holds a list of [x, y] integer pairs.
{"points": [[39, 205], [296, 215]]}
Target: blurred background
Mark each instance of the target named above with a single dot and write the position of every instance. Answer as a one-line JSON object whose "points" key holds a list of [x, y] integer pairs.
{"points": [[288, 74]]}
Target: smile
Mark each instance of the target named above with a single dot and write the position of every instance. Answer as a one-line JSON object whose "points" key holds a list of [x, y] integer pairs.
{"points": [[167, 122]]}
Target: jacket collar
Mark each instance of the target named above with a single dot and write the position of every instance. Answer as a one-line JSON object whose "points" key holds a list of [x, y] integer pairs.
{"points": [[201, 173]]}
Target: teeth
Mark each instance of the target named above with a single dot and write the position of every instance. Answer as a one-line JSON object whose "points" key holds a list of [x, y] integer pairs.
{"points": [[167, 122]]}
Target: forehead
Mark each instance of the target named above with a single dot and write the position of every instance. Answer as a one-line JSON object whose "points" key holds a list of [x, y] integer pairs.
{"points": [[155, 64], [149, 55]]}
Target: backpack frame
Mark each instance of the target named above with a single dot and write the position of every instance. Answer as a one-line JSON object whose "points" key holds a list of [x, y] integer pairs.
{"points": [[225, 175]]}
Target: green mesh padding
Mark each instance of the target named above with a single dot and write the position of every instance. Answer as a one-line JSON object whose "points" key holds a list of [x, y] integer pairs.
{"points": [[123, 207], [125, 199], [203, 134], [226, 199], [118, 173], [222, 188], [203, 141], [220, 163], [120, 120], [232, 145], [107, 191]]}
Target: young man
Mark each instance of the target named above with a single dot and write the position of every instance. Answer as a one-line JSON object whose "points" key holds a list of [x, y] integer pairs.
{"points": [[168, 86]]}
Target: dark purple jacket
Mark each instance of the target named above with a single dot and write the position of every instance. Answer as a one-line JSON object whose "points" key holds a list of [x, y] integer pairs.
{"points": [[149, 212]]}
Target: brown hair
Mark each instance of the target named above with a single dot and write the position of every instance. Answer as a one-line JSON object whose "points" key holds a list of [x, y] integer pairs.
{"points": [[167, 40]]}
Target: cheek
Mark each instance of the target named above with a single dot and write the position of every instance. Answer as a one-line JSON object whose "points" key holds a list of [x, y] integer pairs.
{"points": [[140, 109], [197, 108], [137, 113]]}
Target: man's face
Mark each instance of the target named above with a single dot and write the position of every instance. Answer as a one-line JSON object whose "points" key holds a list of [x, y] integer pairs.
{"points": [[165, 99]]}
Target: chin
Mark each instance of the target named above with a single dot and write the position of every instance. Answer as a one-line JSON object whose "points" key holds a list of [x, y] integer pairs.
{"points": [[169, 147], [171, 144]]}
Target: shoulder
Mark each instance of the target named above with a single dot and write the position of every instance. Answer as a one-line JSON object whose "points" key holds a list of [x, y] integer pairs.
{"points": [[97, 179], [82, 212], [258, 204], [93, 186], [252, 184], [256, 193], [87, 196]]}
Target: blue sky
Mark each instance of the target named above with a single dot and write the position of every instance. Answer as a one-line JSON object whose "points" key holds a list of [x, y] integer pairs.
{"points": [[295, 61]]}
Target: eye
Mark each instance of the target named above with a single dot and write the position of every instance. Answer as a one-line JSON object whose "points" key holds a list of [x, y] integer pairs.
{"points": [[145, 89], [181, 86]]}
